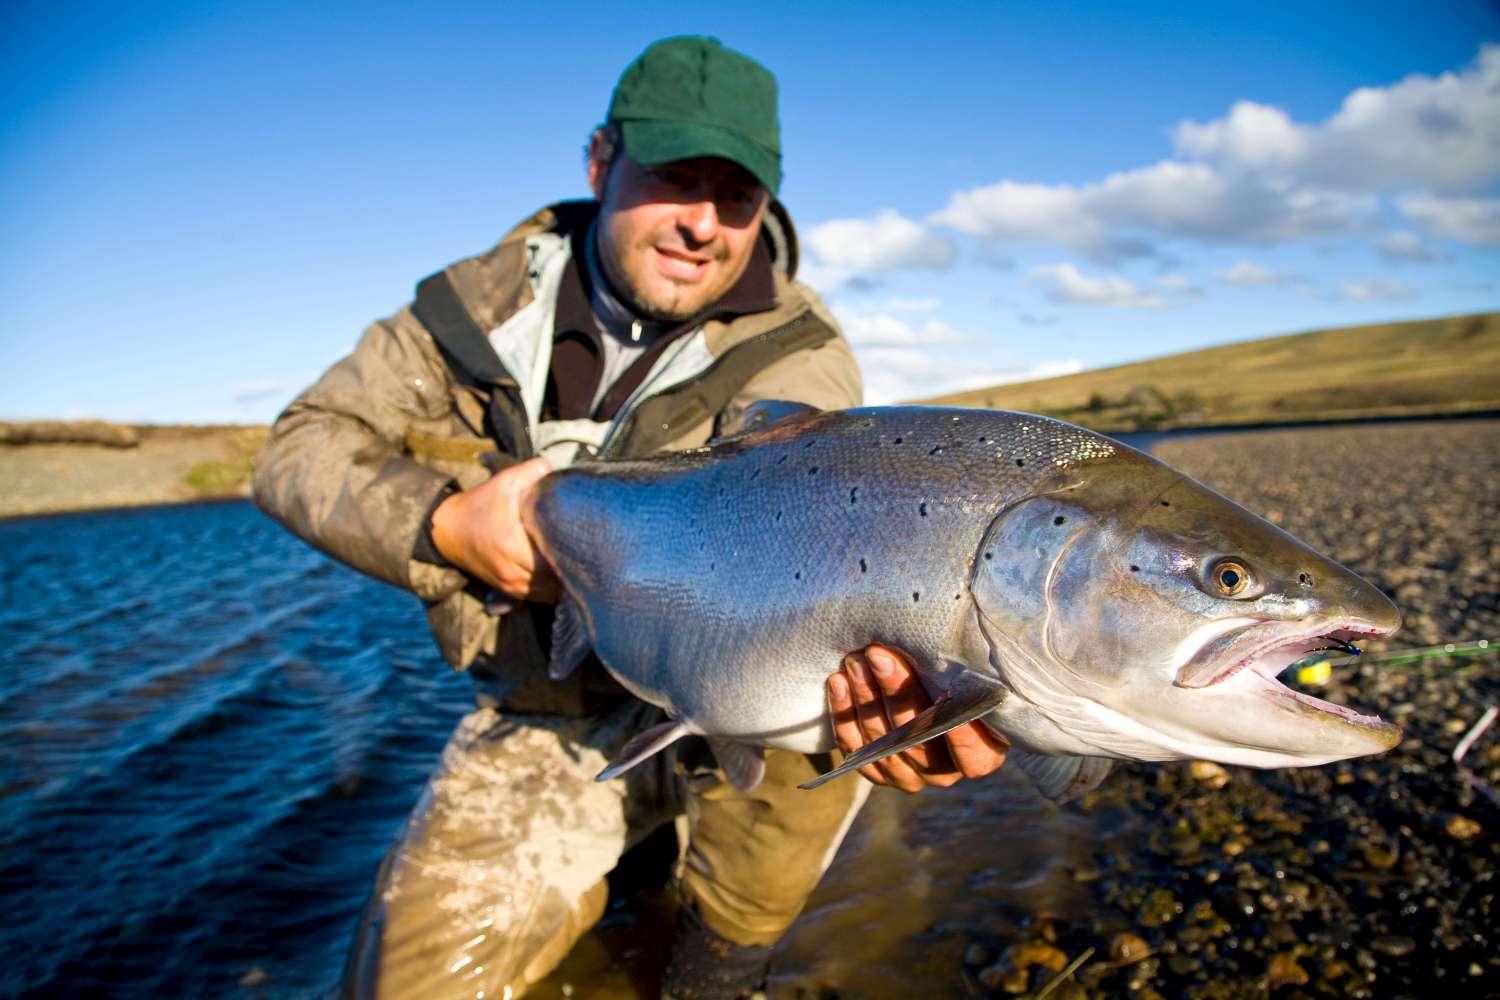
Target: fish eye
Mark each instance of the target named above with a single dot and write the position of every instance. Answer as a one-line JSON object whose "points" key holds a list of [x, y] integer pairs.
{"points": [[1230, 577]]}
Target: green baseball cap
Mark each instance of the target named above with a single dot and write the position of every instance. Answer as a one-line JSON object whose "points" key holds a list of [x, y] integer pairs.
{"points": [[690, 96]]}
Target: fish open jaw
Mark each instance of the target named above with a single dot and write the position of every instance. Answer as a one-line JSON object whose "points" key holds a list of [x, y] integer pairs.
{"points": [[1262, 667]]}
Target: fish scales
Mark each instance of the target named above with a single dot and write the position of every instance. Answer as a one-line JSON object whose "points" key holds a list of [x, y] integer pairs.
{"points": [[896, 501], [1080, 598]]}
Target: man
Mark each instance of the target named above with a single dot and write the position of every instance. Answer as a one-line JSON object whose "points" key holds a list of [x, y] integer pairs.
{"points": [[643, 320]]}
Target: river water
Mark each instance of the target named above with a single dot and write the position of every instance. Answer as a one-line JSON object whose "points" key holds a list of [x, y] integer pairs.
{"points": [[210, 733]]}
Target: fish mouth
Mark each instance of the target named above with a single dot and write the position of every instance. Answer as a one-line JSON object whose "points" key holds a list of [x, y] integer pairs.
{"points": [[1260, 660]]}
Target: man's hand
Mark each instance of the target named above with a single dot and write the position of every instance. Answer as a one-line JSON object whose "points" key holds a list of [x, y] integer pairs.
{"points": [[480, 532], [877, 691]]}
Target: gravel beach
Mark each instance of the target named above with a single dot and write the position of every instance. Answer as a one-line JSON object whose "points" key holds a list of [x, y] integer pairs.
{"points": [[1367, 878], [167, 465]]}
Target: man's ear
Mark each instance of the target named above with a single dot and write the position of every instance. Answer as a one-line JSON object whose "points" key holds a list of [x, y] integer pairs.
{"points": [[599, 154]]}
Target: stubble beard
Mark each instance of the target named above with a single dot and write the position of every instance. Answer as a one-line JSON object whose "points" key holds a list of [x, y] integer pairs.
{"points": [[657, 297]]}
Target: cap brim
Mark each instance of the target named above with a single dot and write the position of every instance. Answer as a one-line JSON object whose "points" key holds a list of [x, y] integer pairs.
{"points": [[652, 142]]}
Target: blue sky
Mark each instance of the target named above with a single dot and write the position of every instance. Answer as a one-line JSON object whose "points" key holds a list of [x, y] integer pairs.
{"points": [[205, 204]]}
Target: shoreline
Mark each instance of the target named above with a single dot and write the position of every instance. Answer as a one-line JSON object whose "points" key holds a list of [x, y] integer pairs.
{"points": [[166, 465], [174, 466]]}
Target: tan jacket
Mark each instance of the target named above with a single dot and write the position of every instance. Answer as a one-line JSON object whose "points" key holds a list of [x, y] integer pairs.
{"points": [[355, 464]]}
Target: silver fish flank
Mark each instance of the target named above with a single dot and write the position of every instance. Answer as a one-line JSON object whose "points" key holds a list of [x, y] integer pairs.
{"points": [[1084, 600]]}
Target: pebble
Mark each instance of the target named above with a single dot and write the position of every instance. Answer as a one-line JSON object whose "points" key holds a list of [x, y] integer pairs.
{"points": [[1126, 947], [1208, 773], [1393, 945], [1367, 878], [1284, 971], [1463, 828]]}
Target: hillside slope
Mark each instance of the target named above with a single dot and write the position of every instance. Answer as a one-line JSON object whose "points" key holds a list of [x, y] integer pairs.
{"points": [[1436, 366]]}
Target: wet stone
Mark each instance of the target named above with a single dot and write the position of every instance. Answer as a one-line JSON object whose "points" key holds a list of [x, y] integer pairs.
{"points": [[1462, 828], [1127, 947], [1160, 907], [1208, 773], [1284, 971], [1394, 945]]}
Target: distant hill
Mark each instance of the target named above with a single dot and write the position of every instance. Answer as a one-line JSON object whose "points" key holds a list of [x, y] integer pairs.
{"points": [[1426, 367]]}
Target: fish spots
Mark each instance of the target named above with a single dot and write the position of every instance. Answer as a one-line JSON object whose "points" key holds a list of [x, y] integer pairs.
{"points": [[755, 475], [1304, 580], [988, 556], [712, 566], [922, 508], [983, 439], [853, 496], [937, 449], [1020, 463], [1134, 568], [916, 595], [1166, 503], [778, 515], [812, 470], [1059, 520], [862, 567], [797, 575], [810, 444], [899, 440], [783, 458]]}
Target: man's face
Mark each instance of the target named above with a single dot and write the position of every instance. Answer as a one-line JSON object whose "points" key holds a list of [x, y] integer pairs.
{"points": [[674, 237]]}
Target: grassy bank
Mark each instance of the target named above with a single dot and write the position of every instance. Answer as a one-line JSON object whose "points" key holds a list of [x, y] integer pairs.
{"points": [[1423, 368]]}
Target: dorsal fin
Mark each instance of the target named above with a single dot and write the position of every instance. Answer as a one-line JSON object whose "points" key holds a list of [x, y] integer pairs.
{"points": [[763, 413]]}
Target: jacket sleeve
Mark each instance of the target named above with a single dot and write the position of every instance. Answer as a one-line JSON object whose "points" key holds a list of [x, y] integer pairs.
{"points": [[333, 471]]}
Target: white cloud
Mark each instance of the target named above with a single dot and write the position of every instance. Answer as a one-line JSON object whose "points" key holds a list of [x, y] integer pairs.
{"points": [[1065, 284], [1246, 274], [1403, 244], [1120, 216], [1471, 220], [1375, 290], [1178, 284], [897, 374], [1256, 176], [1254, 134], [1438, 132], [872, 327], [909, 305], [888, 242]]}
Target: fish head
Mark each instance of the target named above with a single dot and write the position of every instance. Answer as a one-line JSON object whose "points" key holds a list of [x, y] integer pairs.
{"points": [[1150, 616]]}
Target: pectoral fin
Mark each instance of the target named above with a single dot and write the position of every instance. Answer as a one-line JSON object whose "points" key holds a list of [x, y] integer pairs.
{"points": [[970, 696], [1061, 779], [570, 640], [743, 765], [643, 745]]}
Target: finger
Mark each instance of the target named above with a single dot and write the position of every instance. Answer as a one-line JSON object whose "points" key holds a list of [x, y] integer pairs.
{"points": [[904, 699], [904, 696], [846, 732], [975, 750], [869, 707]]}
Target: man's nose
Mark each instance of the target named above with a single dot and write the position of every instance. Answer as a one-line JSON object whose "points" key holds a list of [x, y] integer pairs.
{"points": [[701, 219]]}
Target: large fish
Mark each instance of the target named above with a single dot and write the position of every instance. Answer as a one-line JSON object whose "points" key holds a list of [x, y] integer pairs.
{"points": [[1084, 600]]}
